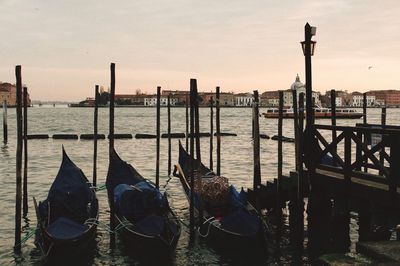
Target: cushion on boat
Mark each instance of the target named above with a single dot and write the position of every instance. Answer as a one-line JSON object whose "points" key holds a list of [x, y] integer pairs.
{"points": [[151, 225], [241, 222], [64, 229]]}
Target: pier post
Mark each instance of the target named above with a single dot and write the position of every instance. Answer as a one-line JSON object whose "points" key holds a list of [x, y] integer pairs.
{"points": [[280, 156], [365, 122], [381, 153], [158, 137], [192, 179], [95, 122], [5, 127], [187, 122], [301, 181], [111, 148], [211, 131], [196, 120], [169, 134], [18, 198], [308, 33], [333, 120], [25, 183], [256, 149], [217, 117], [341, 224], [296, 128]]}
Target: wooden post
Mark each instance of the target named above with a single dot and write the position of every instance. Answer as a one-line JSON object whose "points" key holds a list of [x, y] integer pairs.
{"points": [[383, 123], [5, 127], [280, 154], [307, 55], [300, 184], [192, 186], [365, 122], [25, 183], [187, 122], [333, 120], [394, 165], [158, 137], [218, 132], [193, 83], [111, 148], [211, 132], [96, 106], [296, 128], [18, 198], [169, 134], [256, 145]]}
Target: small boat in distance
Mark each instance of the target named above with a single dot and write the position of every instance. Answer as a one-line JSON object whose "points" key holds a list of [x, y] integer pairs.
{"points": [[319, 113], [67, 218], [145, 220]]}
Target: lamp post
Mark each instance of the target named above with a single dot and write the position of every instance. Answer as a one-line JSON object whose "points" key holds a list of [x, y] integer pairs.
{"points": [[308, 47]]}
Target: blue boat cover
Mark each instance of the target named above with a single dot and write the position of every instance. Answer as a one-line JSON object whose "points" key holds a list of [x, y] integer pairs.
{"points": [[137, 201], [70, 193], [64, 229], [241, 222]]}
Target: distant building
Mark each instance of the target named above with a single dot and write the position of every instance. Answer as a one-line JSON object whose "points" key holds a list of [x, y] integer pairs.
{"points": [[243, 99], [358, 99], [8, 93], [390, 98], [152, 100], [271, 98]]}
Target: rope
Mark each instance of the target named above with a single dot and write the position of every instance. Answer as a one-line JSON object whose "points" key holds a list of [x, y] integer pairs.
{"points": [[209, 226], [28, 234]]}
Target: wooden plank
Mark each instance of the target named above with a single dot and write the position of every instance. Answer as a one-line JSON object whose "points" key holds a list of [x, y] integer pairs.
{"points": [[380, 250]]}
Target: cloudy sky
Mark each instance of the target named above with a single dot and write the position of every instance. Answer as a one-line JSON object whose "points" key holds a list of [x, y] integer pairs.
{"points": [[66, 47]]}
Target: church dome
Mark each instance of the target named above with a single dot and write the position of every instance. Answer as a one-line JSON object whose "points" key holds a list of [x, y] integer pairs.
{"points": [[297, 84]]}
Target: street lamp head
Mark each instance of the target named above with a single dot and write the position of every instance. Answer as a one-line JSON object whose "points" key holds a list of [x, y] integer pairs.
{"points": [[312, 47], [313, 31]]}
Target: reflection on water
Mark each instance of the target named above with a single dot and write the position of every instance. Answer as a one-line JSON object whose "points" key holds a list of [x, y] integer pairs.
{"points": [[237, 157]]}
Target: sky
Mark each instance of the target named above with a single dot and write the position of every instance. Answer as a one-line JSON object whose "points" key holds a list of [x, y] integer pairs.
{"points": [[65, 47]]}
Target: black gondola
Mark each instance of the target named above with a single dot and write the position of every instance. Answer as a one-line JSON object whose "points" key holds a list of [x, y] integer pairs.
{"points": [[233, 225], [67, 219], [144, 218]]}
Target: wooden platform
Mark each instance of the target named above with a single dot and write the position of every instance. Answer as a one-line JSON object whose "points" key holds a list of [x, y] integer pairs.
{"points": [[366, 187], [384, 251]]}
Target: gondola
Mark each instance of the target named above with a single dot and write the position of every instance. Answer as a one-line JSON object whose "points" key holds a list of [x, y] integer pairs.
{"points": [[143, 216], [233, 225], [67, 218]]}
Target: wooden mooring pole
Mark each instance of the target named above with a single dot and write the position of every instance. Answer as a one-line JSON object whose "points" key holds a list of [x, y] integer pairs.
{"points": [[280, 155], [18, 198], [256, 144], [95, 122], [217, 120], [192, 186], [196, 119], [381, 153], [333, 120], [187, 122], [169, 133], [211, 132], [5, 127], [25, 183], [296, 128], [158, 137], [365, 122], [111, 148]]}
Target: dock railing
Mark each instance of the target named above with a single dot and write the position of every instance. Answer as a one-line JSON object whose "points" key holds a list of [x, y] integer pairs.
{"points": [[353, 139]]}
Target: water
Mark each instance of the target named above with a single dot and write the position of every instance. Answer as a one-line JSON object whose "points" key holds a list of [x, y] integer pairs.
{"points": [[236, 153]]}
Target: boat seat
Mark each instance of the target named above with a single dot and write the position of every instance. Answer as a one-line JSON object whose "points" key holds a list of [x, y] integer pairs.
{"points": [[64, 229], [151, 225]]}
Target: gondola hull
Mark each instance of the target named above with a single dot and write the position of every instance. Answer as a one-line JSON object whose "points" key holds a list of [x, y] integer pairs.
{"points": [[211, 230], [141, 245], [63, 249]]}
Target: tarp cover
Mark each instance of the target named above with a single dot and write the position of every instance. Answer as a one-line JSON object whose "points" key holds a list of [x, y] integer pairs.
{"points": [[70, 193], [137, 201], [64, 229]]}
